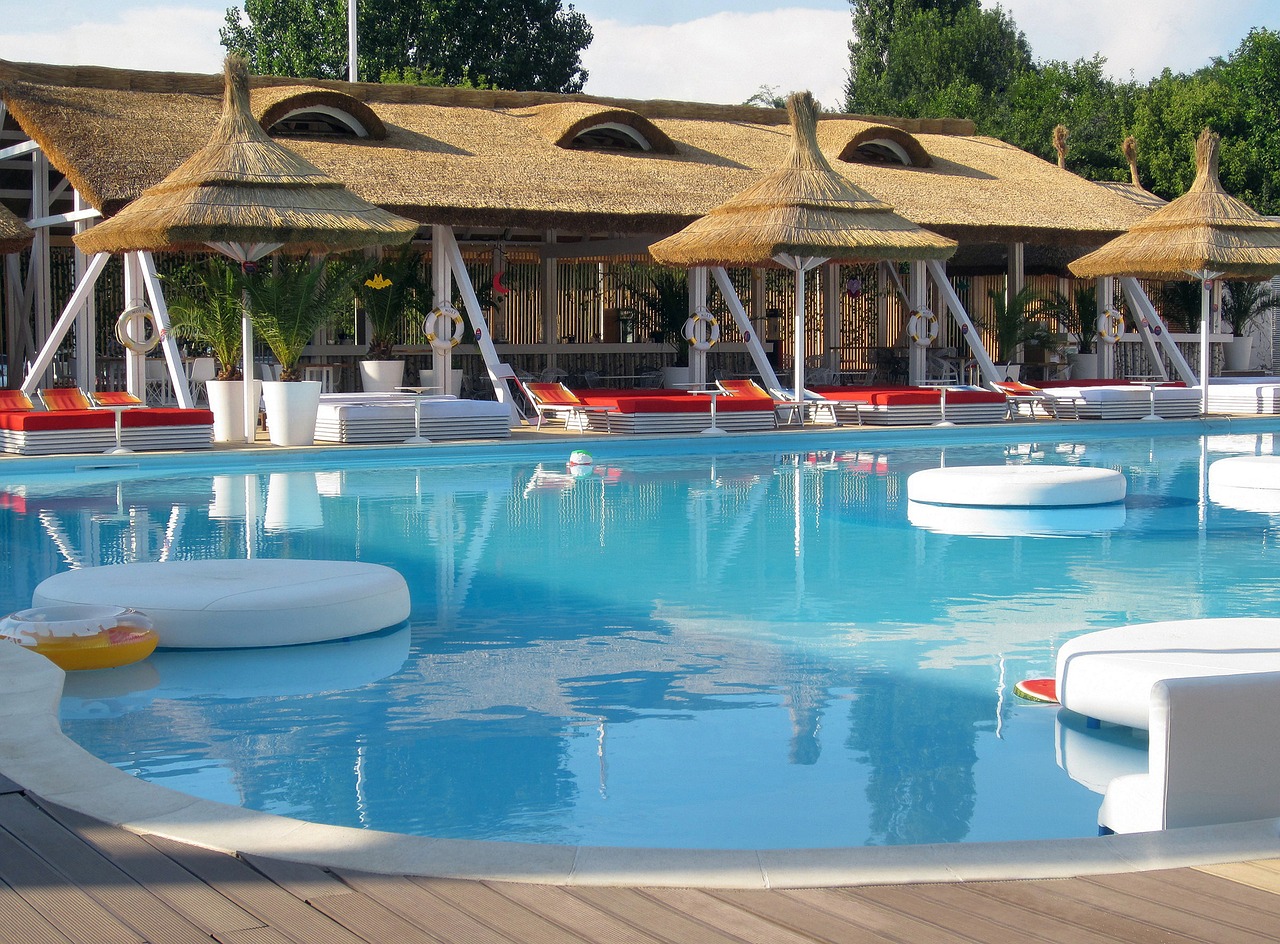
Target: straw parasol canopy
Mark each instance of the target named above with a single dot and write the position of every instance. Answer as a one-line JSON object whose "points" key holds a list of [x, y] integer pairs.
{"points": [[804, 208], [1205, 234], [799, 216], [245, 189], [15, 235], [1204, 230]]}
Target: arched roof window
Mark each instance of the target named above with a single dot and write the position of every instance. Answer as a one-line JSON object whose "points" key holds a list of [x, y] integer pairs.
{"points": [[590, 126], [861, 142], [315, 112]]}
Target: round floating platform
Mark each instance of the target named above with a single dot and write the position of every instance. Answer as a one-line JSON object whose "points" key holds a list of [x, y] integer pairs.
{"points": [[82, 637], [1108, 675], [983, 522], [1261, 472], [1016, 486], [242, 604]]}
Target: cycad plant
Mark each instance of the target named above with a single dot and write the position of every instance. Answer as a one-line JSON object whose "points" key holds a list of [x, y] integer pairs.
{"points": [[291, 299], [1014, 322], [663, 295], [396, 290], [1078, 313], [205, 301], [1243, 302]]}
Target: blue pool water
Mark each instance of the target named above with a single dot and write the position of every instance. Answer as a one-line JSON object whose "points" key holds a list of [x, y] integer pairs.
{"points": [[739, 650]]}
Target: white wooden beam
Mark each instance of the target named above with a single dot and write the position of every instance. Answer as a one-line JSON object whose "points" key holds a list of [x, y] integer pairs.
{"points": [[45, 358], [442, 239], [75, 216], [967, 328], [754, 346], [168, 343], [17, 150]]}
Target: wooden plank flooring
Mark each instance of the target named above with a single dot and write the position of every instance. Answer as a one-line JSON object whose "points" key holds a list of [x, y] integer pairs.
{"points": [[67, 878]]}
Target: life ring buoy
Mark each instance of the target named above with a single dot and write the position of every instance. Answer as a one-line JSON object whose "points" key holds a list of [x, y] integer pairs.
{"points": [[443, 327], [923, 327], [147, 341], [1110, 326], [705, 340]]}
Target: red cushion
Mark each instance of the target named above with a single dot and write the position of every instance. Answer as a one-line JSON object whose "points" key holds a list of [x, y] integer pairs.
{"points": [[103, 419], [907, 396], [665, 401]]}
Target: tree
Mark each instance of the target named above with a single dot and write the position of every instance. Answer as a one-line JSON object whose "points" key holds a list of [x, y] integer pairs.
{"points": [[930, 58], [513, 44]]}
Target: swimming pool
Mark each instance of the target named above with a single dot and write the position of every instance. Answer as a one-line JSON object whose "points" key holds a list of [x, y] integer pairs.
{"points": [[741, 649]]}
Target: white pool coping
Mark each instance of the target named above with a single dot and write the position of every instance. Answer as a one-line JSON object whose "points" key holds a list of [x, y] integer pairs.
{"points": [[37, 755]]}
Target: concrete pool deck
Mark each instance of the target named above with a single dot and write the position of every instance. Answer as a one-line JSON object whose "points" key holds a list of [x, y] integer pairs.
{"points": [[35, 754]]}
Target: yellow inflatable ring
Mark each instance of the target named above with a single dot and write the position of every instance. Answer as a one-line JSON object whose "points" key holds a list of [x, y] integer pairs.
{"points": [[440, 336], [75, 637], [149, 339]]}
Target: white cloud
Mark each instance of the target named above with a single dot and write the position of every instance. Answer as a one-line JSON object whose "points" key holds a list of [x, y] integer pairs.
{"points": [[723, 58], [165, 39], [1141, 38]]}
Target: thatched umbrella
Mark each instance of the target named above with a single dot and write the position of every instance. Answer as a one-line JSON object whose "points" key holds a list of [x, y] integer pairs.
{"points": [[799, 216], [1205, 234], [15, 235], [245, 195]]}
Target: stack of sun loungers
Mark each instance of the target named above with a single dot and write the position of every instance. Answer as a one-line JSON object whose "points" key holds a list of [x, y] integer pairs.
{"points": [[71, 423], [1249, 396], [673, 411], [1121, 400], [914, 406], [389, 417]]}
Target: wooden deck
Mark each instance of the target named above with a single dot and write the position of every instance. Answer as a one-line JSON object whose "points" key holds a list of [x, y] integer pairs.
{"points": [[66, 878]]}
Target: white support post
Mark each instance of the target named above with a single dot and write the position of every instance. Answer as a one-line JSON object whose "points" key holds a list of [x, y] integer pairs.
{"points": [[135, 362], [917, 294], [41, 364], [442, 239], [442, 292], [831, 296], [1139, 303], [884, 273], [168, 343], [758, 355], [697, 299], [971, 334], [39, 280], [86, 323], [1105, 292], [551, 300]]}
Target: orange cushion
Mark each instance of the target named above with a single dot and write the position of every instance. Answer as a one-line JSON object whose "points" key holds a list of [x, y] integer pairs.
{"points": [[64, 398], [553, 394], [14, 400], [115, 398]]}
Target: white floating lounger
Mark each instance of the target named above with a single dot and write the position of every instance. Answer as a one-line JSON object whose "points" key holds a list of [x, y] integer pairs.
{"points": [[242, 604], [1247, 483], [1108, 675], [1016, 486]]}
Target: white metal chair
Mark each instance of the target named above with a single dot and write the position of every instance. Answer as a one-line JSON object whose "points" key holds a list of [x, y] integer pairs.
{"points": [[200, 370]]}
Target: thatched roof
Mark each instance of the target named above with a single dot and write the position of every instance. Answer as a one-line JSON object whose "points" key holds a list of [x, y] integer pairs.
{"points": [[1204, 230], [493, 159], [803, 208], [15, 235], [243, 187]]}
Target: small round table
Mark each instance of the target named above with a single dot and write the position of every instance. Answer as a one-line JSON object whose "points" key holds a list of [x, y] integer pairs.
{"points": [[419, 394], [714, 393], [118, 409]]}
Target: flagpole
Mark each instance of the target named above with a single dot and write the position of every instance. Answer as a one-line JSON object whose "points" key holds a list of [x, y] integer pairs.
{"points": [[351, 40]]}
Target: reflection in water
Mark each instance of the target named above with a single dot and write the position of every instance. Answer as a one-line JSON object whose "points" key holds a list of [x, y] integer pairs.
{"points": [[745, 649], [977, 521]]}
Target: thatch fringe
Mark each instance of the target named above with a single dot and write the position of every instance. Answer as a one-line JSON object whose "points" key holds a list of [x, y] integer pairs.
{"points": [[15, 235], [1130, 150], [1060, 135]]}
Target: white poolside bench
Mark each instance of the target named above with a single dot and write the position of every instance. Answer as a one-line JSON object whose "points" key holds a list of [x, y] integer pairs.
{"points": [[1214, 757]]}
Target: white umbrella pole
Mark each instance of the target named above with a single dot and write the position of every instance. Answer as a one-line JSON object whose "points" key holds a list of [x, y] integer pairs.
{"points": [[250, 405], [1206, 306], [799, 334]]}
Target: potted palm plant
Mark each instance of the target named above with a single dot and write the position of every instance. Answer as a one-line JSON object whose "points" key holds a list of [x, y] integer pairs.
{"points": [[396, 290], [206, 308], [662, 295], [1016, 325], [1078, 313], [289, 301], [1242, 304]]}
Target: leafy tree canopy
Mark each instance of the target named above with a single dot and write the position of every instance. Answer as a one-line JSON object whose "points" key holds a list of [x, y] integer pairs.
{"points": [[531, 45]]}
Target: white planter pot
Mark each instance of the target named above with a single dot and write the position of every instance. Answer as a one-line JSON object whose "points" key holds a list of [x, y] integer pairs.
{"points": [[291, 411], [381, 376], [226, 400], [427, 377], [1083, 366], [1238, 353], [673, 377]]}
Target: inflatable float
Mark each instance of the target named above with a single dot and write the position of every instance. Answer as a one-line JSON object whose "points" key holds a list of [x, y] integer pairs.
{"points": [[82, 637], [1042, 690]]}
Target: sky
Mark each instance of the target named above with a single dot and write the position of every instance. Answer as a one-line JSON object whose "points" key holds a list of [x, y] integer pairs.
{"points": [[695, 50]]}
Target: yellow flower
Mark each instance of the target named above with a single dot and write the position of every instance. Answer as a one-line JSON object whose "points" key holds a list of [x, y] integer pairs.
{"points": [[377, 282]]}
